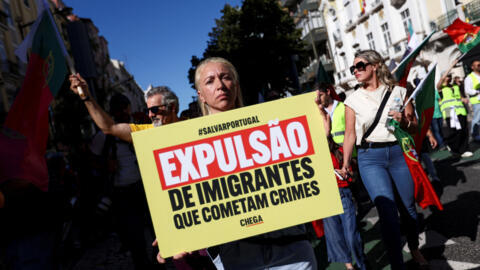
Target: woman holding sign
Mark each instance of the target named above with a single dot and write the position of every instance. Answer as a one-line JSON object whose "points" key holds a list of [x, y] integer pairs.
{"points": [[218, 88], [380, 158]]}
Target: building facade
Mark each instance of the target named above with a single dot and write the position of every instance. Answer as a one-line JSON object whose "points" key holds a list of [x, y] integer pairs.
{"points": [[383, 25], [16, 17], [121, 81], [307, 15]]}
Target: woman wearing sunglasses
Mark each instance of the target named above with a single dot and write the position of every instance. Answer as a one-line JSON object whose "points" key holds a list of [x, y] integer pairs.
{"points": [[380, 158], [218, 88]]}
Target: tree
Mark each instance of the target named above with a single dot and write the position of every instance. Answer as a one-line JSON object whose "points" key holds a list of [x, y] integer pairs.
{"points": [[260, 39]]}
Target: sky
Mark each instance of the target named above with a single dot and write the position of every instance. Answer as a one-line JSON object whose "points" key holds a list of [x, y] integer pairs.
{"points": [[155, 38]]}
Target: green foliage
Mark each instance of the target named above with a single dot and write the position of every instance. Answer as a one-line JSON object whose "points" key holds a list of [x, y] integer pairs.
{"points": [[260, 40]]}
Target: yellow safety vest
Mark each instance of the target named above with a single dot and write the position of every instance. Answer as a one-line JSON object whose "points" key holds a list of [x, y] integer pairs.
{"points": [[476, 86], [452, 99], [338, 123]]}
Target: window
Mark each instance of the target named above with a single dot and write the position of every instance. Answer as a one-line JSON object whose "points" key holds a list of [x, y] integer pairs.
{"points": [[6, 7], [371, 43], [349, 12], [343, 63], [386, 35], [406, 20]]}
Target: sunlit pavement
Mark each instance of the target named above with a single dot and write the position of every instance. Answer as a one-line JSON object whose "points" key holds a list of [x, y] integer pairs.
{"points": [[449, 239]]}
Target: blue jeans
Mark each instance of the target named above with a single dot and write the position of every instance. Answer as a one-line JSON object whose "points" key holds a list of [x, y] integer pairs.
{"points": [[342, 235], [475, 128], [430, 168], [436, 126], [383, 172]]}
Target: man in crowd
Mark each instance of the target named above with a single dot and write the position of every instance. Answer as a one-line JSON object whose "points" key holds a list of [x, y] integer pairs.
{"points": [[128, 196], [472, 87], [455, 114], [336, 110], [162, 105]]}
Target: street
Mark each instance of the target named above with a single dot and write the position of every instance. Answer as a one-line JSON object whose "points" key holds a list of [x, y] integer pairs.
{"points": [[448, 239]]}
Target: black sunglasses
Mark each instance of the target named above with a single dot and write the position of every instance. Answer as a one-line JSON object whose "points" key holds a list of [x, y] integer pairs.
{"points": [[156, 109], [360, 66]]}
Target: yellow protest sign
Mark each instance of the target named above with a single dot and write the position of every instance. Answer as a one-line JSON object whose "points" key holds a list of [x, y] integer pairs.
{"points": [[236, 174]]}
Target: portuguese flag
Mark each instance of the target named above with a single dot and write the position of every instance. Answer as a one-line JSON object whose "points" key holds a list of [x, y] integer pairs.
{"points": [[424, 97], [23, 139], [463, 34], [403, 69], [425, 195]]}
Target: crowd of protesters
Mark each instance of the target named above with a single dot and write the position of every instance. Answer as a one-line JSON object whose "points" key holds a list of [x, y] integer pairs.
{"points": [[95, 186]]}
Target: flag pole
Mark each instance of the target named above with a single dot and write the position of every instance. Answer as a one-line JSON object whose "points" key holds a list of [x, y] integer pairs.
{"points": [[413, 51], [419, 87], [71, 66]]}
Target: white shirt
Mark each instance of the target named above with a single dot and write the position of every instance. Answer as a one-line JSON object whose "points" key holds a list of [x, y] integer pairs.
{"points": [[365, 104], [468, 85], [330, 112]]}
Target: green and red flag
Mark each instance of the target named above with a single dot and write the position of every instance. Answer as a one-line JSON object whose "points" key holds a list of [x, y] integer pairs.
{"points": [[463, 34], [424, 96], [425, 195], [27, 121], [403, 69]]}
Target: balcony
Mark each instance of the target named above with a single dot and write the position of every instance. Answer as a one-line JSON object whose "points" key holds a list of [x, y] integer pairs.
{"points": [[316, 36], [350, 26], [310, 5], [337, 38], [312, 27], [287, 3], [309, 73], [376, 6], [445, 20], [472, 11]]}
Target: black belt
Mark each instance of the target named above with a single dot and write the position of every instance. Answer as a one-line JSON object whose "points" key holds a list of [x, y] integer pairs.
{"points": [[279, 241], [366, 145]]}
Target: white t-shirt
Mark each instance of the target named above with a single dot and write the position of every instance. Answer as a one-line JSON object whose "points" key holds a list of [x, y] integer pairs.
{"points": [[365, 104], [468, 85], [127, 172]]}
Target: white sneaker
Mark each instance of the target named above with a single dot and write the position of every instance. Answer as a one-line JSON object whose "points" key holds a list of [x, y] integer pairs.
{"points": [[467, 154]]}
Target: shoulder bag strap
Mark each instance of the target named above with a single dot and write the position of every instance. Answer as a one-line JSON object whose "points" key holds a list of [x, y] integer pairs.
{"points": [[377, 116]]}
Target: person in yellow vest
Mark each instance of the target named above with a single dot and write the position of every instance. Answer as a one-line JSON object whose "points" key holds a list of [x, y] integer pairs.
{"points": [[455, 114], [472, 88], [335, 109], [162, 106]]}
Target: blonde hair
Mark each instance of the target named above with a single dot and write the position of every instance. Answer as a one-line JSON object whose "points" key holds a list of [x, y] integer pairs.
{"points": [[238, 99], [374, 58]]}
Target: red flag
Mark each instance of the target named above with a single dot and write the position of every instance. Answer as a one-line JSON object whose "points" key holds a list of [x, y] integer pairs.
{"points": [[424, 104], [425, 195], [403, 69], [463, 34], [27, 120], [318, 227]]}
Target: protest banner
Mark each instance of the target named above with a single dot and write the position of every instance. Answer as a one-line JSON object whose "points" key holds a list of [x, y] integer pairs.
{"points": [[236, 174]]}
